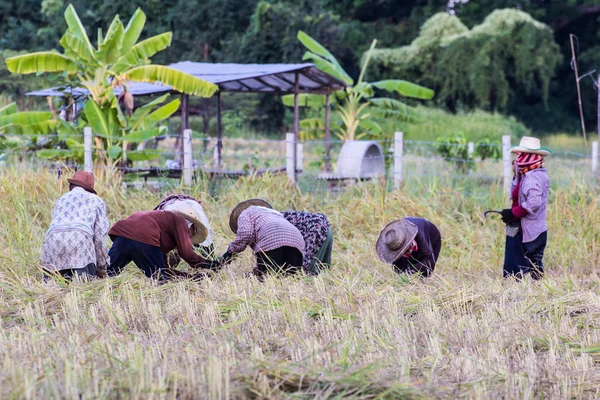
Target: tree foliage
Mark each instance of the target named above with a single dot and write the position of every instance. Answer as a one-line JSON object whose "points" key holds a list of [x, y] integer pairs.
{"points": [[508, 57], [265, 31]]}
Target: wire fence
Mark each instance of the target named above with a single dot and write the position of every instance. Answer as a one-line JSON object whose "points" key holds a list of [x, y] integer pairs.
{"points": [[424, 165]]}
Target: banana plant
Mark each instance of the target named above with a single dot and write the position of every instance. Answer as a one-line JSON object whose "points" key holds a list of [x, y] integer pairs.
{"points": [[24, 131], [356, 105], [117, 59], [112, 140]]}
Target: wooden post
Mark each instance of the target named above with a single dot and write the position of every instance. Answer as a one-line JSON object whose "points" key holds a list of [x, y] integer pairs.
{"points": [[507, 164], [398, 153], [470, 150], [296, 122], [328, 134], [88, 163], [188, 157], [185, 123], [289, 157], [219, 131], [594, 158]]}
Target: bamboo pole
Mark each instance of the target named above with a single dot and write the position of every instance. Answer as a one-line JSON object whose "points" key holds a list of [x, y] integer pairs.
{"points": [[578, 89]]}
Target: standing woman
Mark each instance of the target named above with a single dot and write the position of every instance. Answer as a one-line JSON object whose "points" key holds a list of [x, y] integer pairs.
{"points": [[526, 231], [318, 239]]}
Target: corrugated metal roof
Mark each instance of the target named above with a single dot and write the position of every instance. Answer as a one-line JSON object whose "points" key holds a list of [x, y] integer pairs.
{"points": [[251, 78]]}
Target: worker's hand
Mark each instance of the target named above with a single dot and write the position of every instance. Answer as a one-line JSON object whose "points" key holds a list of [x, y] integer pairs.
{"points": [[226, 258], [211, 264], [507, 215]]}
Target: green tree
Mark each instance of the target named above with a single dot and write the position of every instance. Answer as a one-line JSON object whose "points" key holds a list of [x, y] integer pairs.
{"points": [[507, 58]]}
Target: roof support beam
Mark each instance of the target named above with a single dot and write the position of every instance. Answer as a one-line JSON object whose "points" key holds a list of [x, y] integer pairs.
{"points": [[219, 131], [275, 88]]}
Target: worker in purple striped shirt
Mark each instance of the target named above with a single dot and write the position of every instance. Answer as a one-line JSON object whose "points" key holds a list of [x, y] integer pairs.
{"points": [[277, 244]]}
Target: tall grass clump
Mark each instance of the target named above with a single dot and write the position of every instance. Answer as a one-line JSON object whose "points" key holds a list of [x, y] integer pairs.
{"points": [[355, 331]]}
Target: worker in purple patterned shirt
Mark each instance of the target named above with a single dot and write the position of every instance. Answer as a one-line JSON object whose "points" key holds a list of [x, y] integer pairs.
{"points": [[277, 244], [526, 230]]}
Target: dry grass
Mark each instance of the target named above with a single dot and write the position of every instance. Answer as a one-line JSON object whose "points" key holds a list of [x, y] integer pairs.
{"points": [[358, 330]]}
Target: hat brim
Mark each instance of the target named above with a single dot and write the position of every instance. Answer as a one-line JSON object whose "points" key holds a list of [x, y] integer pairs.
{"points": [[383, 252], [81, 185], [520, 149], [237, 210], [201, 230]]}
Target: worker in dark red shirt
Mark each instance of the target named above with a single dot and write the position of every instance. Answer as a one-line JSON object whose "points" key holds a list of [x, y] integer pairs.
{"points": [[147, 237]]}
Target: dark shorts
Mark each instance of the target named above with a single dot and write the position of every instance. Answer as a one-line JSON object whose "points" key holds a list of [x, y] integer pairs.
{"points": [[287, 260], [524, 258], [148, 258]]}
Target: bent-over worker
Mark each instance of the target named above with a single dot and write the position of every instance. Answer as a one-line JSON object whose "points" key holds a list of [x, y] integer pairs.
{"points": [[147, 237], [318, 239], [277, 244], [411, 245], [75, 244]]}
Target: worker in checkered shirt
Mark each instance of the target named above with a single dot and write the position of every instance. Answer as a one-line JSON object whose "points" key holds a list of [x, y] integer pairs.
{"points": [[277, 244]]}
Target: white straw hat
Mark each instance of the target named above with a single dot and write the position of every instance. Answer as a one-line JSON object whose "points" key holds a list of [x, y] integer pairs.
{"points": [[532, 145], [191, 211]]}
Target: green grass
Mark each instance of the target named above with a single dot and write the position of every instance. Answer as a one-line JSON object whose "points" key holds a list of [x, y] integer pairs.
{"points": [[434, 123], [358, 330]]}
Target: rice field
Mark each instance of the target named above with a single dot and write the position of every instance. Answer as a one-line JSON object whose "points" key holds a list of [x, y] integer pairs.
{"points": [[355, 331]]}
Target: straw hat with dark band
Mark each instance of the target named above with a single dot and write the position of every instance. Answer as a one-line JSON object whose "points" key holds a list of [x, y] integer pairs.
{"points": [[237, 210], [188, 209], [532, 145], [394, 239], [84, 180]]}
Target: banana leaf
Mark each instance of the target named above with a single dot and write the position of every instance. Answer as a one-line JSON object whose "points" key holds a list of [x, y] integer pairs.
{"points": [[54, 153], [43, 61], [405, 88], [140, 136], [180, 81], [77, 29], [114, 152], [97, 119], [8, 109], [110, 50], [133, 30], [142, 51], [143, 155]]}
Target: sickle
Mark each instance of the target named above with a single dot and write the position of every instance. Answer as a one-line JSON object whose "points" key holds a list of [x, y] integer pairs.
{"points": [[485, 214]]}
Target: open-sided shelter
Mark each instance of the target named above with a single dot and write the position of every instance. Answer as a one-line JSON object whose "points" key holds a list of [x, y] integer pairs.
{"points": [[278, 79]]}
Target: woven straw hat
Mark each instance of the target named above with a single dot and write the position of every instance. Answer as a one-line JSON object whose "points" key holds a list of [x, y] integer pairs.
{"points": [[237, 210], [532, 145], [192, 211], [84, 180], [394, 239]]}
